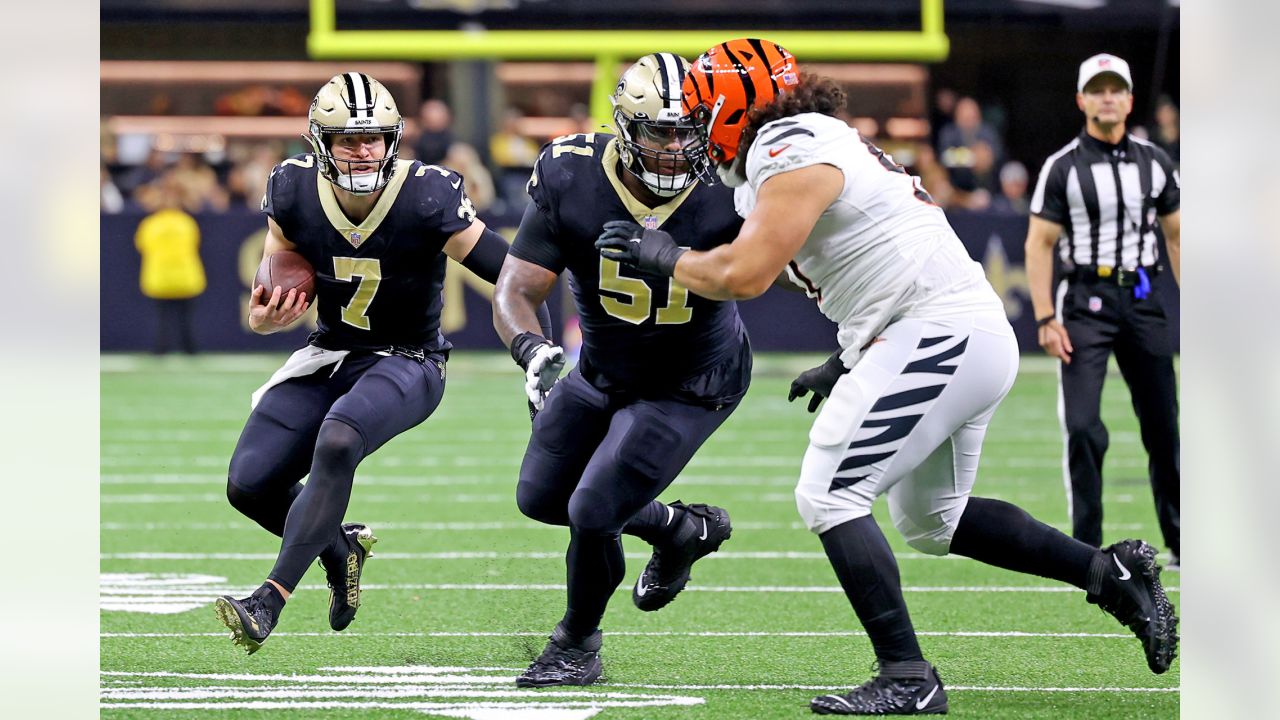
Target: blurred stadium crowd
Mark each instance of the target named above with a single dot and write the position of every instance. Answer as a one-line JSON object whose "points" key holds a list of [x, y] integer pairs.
{"points": [[963, 163]]}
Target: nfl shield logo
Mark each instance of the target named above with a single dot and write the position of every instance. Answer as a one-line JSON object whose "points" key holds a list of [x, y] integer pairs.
{"points": [[1095, 304], [650, 222], [355, 238]]}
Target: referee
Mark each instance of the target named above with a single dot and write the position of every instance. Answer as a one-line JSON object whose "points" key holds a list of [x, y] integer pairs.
{"points": [[1098, 200]]}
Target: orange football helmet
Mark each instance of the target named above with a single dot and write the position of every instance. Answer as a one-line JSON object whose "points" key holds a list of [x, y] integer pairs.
{"points": [[723, 85]]}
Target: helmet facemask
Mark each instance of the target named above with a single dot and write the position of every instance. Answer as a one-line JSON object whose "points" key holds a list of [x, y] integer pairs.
{"points": [[642, 148], [355, 104], [339, 171]]}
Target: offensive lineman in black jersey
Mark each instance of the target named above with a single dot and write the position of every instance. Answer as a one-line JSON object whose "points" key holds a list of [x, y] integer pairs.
{"points": [[377, 230], [660, 369]]}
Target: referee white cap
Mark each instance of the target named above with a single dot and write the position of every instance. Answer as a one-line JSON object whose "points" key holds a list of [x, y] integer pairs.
{"points": [[1104, 63]]}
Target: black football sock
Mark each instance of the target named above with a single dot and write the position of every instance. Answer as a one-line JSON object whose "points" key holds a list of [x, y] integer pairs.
{"points": [[320, 507], [596, 566], [868, 573], [655, 523], [1004, 535]]}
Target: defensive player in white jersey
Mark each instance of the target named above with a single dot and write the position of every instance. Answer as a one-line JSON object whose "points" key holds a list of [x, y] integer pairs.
{"points": [[927, 355]]}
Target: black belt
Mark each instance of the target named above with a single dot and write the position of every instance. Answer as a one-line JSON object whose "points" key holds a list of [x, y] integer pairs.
{"points": [[1124, 277]]}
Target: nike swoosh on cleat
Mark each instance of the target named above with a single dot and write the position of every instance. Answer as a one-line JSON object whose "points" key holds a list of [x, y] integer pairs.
{"points": [[704, 529], [641, 589], [925, 700], [1124, 571]]}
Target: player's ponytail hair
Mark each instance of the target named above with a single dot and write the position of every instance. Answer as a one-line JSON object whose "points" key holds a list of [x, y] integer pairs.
{"points": [[814, 94]]}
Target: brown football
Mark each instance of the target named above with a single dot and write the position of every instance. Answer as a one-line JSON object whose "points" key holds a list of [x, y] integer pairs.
{"points": [[288, 270]]}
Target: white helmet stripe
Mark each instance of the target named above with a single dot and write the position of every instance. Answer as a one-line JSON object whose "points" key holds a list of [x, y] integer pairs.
{"points": [[671, 79], [358, 89]]}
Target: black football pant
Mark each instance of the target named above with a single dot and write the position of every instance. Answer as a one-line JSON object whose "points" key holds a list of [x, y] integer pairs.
{"points": [[594, 461], [323, 425], [1101, 319]]}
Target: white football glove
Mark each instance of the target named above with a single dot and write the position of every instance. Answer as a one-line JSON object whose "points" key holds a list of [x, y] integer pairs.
{"points": [[544, 370]]}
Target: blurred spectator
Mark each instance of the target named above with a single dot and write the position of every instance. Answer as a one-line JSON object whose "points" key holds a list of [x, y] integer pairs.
{"points": [[970, 167], [942, 113], [111, 200], [172, 274], [192, 180], [247, 180], [1166, 135], [464, 160], [131, 180], [435, 135], [1013, 189], [514, 155]]}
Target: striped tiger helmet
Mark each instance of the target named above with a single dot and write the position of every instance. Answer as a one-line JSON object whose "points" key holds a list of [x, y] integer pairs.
{"points": [[723, 86], [648, 116], [354, 104]]}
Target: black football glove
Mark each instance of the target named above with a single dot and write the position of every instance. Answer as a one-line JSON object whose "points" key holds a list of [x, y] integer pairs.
{"points": [[820, 380], [649, 251]]}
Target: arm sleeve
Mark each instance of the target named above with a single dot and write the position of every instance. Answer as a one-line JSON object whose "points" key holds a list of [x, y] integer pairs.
{"points": [[536, 243], [486, 256], [1049, 201], [1170, 198]]}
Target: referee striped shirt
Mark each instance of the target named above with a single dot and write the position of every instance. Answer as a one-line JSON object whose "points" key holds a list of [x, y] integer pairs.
{"points": [[1106, 198]]}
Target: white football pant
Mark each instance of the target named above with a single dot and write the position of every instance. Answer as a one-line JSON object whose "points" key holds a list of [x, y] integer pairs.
{"points": [[908, 420]]}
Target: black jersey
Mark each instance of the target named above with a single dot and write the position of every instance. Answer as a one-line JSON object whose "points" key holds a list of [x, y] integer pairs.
{"points": [[640, 333], [378, 282]]}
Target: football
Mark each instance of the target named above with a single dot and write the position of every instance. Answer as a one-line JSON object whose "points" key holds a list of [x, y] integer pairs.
{"points": [[289, 270]]}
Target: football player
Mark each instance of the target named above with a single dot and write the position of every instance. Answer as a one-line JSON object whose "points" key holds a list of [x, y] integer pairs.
{"points": [[660, 369], [927, 356], [378, 230]]}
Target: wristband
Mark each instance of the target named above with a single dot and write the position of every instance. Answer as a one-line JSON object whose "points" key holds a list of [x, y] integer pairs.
{"points": [[1045, 320]]}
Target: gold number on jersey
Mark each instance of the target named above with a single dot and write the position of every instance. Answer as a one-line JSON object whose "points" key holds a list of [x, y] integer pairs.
{"points": [[311, 160], [637, 300], [561, 145], [677, 310], [369, 270]]}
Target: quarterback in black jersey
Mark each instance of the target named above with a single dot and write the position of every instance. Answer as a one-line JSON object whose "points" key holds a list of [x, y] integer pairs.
{"points": [[660, 369], [378, 231]]}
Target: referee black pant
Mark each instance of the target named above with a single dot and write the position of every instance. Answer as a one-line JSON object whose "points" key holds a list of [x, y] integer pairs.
{"points": [[1102, 318]]}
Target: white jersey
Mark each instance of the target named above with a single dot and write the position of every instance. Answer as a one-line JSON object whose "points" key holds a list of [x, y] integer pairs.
{"points": [[882, 251]]}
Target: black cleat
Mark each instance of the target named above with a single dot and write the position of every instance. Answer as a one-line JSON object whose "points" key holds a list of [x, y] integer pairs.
{"points": [[703, 528], [250, 620], [899, 688], [564, 662], [344, 582], [1125, 581]]}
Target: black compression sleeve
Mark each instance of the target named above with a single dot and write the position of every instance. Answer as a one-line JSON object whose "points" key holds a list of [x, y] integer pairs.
{"points": [[486, 257]]}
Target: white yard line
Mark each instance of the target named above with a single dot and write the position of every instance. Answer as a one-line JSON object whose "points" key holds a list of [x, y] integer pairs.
{"points": [[704, 634], [503, 587]]}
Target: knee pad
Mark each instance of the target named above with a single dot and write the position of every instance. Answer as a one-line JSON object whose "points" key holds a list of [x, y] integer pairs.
{"points": [[820, 507], [594, 513], [339, 445], [930, 535], [537, 502]]}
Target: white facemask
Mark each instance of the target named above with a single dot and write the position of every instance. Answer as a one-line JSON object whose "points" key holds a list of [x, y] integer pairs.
{"points": [[731, 174], [361, 183], [675, 184]]}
